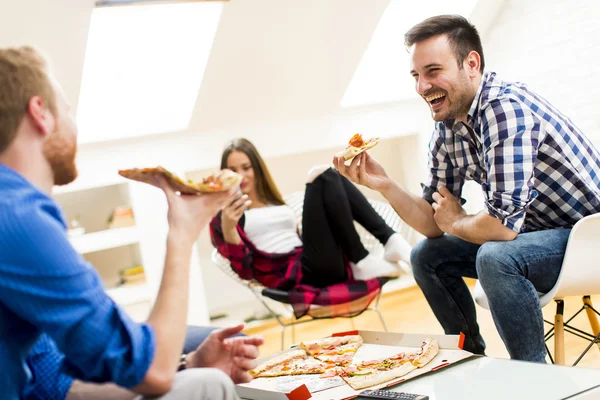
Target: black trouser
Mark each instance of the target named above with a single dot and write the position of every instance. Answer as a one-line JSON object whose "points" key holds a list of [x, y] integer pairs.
{"points": [[331, 205]]}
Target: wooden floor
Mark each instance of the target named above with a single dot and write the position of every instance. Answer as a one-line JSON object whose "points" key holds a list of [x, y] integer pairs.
{"points": [[407, 311]]}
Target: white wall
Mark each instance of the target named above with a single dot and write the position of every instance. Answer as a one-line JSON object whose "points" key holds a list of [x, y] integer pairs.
{"points": [[554, 47]]}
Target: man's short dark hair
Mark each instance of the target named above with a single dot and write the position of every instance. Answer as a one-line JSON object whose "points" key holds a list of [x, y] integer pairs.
{"points": [[462, 35]]}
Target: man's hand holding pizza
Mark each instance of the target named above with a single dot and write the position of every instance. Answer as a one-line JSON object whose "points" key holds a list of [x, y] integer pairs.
{"points": [[189, 214], [365, 171]]}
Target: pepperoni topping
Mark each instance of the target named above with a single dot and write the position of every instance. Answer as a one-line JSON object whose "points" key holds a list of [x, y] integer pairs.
{"points": [[356, 140]]}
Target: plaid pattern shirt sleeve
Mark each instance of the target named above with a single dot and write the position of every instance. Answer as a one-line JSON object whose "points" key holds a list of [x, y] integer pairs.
{"points": [[238, 255], [511, 145], [441, 170]]}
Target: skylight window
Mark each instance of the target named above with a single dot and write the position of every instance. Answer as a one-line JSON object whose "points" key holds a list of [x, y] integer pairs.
{"points": [[143, 68], [382, 76]]}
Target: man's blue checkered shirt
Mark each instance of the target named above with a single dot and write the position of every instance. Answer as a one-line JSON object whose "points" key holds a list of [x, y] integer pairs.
{"points": [[536, 168]]}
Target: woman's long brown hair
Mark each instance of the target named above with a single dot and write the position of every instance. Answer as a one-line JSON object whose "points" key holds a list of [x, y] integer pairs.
{"points": [[266, 190]]}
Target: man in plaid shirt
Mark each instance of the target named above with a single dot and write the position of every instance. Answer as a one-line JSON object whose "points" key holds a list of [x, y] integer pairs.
{"points": [[539, 175]]}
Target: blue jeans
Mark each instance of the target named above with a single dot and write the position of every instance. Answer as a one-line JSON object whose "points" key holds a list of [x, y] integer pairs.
{"points": [[511, 275]]}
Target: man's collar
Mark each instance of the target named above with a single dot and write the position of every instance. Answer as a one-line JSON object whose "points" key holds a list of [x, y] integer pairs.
{"points": [[487, 76]]}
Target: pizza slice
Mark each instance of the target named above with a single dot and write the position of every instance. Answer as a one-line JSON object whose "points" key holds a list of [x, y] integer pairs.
{"points": [[357, 145], [217, 182], [334, 350], [295, 362], [371, 373]]}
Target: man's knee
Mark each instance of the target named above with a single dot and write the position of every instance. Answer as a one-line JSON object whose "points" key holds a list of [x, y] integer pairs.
{"points": [[202, 384], [421, 258], [494, 259]]}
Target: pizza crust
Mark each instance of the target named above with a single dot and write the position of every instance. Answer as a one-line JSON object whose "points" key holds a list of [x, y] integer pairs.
{"points": [[319, 344], [273, 362], [379, 377], [429, 350], [350, 152]]}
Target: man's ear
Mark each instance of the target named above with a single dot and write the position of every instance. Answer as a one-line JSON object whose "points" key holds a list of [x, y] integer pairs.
{"points": [[40, 115], [472, 63]]}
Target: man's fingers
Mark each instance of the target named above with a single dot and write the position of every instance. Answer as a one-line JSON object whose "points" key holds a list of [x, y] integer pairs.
{"points": [[242, 377], [353, 169], [443, 190], [338, 162], [436, 197], [224, 333], [362, 167], [239, 349], [435, 206], [252, 340], [245, 364]]}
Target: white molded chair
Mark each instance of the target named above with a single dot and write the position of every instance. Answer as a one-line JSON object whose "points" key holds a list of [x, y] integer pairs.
{"points": [[276, 301], [579, 276]]}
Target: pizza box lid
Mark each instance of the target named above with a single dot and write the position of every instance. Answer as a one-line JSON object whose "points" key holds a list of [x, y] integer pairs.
{"points": [[375, 345]]}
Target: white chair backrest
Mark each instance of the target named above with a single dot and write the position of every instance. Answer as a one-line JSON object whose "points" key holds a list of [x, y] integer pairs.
{"points": [[580, 273]]}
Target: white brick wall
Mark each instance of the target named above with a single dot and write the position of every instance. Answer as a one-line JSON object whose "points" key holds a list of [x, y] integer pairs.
{"points": [[554, 47]]}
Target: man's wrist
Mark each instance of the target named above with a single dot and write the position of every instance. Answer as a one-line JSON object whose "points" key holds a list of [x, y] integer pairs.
{"points": [[387, 188], [191, 360], [179, 239], [183, 363]]}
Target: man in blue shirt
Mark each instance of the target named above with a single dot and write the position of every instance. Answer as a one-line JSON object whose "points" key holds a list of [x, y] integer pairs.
{"points": [[46, 287], [538, 173]]}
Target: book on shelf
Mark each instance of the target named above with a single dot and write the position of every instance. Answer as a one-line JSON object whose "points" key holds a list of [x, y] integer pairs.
{"points": [[134, 275]]}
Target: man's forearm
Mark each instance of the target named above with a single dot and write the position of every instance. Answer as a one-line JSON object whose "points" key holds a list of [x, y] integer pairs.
{"points": [[413, 210], [169, 314], [481, 228]]}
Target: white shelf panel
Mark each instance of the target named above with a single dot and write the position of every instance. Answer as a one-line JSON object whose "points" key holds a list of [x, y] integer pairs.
{"points": [[127, 295], [106, 239]]}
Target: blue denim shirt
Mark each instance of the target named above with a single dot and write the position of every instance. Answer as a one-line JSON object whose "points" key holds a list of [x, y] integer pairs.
{"points": [[46, 286]]}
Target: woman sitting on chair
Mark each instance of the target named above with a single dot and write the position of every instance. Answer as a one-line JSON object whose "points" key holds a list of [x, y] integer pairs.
{"points": [[258, 234]]}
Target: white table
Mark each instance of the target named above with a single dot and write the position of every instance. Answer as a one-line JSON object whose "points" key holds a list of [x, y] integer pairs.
{"points": [[496, 379]]}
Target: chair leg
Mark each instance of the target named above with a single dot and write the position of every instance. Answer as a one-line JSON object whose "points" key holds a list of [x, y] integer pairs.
{"points": [[559, 333], [591, 314], [385, 328]]}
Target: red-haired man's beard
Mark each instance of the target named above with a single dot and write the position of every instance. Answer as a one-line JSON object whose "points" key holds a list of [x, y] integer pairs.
{"points": [[60, 151]]}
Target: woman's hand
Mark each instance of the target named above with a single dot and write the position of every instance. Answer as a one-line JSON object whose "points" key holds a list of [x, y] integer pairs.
{"points": [[233, 210]]}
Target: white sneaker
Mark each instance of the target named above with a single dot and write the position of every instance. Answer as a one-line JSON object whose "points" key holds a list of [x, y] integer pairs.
{"points": [[372, 267], [397, 249]]}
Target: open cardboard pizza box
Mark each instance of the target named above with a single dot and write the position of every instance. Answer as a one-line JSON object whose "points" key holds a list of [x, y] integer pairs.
{"points": [[375, 345]]}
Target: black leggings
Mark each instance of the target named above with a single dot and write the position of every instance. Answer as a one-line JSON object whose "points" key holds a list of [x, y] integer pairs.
{"points": [[331, 205]]}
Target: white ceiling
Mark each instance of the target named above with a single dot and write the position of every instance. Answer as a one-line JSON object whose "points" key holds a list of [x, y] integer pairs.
{"points": [[271, 59]]}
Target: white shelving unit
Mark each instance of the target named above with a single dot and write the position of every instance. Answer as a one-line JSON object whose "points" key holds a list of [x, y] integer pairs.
{"points": [[107, 239], [108, 250], [91, 202]]}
